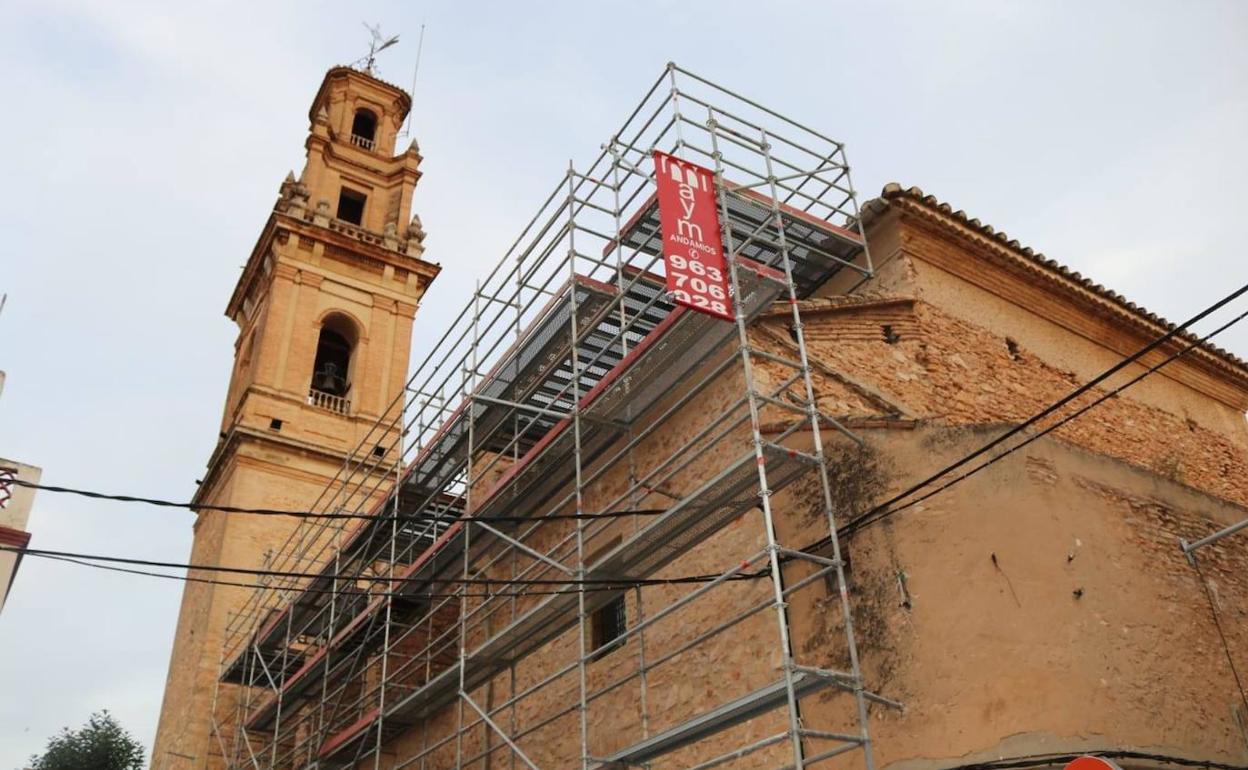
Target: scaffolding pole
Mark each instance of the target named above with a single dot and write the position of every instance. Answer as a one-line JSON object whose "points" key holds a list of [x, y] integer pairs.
{"points": [[1189, 549]]}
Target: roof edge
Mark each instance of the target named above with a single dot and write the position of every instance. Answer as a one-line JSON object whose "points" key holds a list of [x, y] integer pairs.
{"points": [[894, 192]]}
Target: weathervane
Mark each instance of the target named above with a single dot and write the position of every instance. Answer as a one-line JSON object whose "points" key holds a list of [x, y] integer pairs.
{"points": [[378, 44]]}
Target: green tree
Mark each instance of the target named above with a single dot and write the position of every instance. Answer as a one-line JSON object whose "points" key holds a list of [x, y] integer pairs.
{"points": [[100, 744]]}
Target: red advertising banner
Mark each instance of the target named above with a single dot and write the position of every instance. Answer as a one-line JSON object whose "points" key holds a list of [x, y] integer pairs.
{"points": [[693, 252]]}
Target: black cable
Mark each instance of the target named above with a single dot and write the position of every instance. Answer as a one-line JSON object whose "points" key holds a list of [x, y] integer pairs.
{"points": [[1039, 760], [315, 515], [1217, 622], [614, 583], [334, 591], [877, 514]]}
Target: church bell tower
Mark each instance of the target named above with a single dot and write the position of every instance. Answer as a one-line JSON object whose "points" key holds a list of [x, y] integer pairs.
{"points": [[324, 309]]}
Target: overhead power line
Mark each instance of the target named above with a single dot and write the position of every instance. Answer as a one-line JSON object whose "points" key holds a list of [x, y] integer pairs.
{"points": [[327, 515], [610, 583], [345, 591]]}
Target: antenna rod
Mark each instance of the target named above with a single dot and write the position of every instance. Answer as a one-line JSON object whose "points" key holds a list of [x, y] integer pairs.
{"points": [[420, 45]]}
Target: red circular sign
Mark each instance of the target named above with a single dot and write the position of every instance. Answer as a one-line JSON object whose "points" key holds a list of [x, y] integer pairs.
{"points": [[1092, 763]]}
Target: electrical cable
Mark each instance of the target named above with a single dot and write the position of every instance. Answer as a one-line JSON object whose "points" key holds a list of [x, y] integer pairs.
{"points": [[314, 515], [339, 591], [877, 512], [611, 585], [614, 583], [1040, 760]]}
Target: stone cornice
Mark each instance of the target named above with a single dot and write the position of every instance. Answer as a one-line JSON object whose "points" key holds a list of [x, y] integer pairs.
{"points": [[285, 270], [842, 303], [228, 447], [367, 418], [279, 224]]}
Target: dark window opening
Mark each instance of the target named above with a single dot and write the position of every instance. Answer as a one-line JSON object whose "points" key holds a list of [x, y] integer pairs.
{"points": [[379, 451], [890, 336], [608, 626], [1012, 346], [333, 360], [364, 125], [275, 424], [351, 206]]}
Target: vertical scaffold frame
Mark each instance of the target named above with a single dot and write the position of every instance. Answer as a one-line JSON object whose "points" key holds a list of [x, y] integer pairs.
{"points": [[567, 448]]}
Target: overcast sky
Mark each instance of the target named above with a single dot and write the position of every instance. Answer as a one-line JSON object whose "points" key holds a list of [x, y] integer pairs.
{"points": [[143, 146]]}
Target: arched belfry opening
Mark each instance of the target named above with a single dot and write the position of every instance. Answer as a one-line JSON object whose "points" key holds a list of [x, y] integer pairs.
{"points": [[331, 370], [364, 128]]}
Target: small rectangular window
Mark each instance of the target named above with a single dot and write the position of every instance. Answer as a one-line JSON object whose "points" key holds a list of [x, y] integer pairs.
{"points": [[351, 206], [608, 626]]}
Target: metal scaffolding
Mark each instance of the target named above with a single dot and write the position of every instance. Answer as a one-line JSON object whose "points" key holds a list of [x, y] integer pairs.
{"points": [[570, 451]]}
